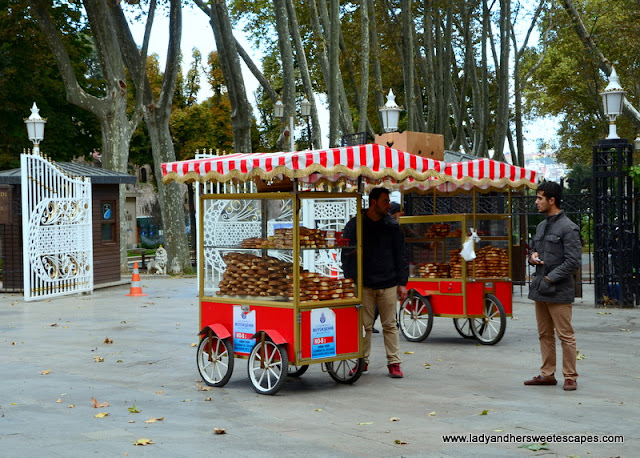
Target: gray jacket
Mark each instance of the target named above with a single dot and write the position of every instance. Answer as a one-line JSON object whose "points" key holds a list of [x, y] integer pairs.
{"points": [[557, 242]]}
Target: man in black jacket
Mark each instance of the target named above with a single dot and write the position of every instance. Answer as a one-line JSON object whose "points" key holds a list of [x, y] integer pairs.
{"points": [[557, 254], [385, 273]]}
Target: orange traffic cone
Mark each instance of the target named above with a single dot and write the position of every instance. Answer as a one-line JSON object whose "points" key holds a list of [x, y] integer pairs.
{"points": [[136, 288]]}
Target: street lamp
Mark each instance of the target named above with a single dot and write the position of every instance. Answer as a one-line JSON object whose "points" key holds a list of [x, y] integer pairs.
{"points": [[305, 111], [390, 113], [278, 112], [612, 99], [35, 127]]}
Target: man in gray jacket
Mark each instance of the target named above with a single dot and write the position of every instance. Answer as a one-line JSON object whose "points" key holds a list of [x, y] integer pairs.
{"points": [[557, 254]]}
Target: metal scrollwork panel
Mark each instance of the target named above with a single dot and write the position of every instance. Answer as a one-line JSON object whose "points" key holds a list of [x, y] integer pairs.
{"points": [[57, 233]]}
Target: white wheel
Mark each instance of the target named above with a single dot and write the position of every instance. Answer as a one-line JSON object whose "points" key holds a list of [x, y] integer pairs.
{"points": [[268, 367], [463, 326], [215, 360], [490, 329], [416, 318], [346, 371]]}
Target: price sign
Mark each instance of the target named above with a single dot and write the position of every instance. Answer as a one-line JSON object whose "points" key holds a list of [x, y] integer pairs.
{"points": [[323, 333], [244, 326]]}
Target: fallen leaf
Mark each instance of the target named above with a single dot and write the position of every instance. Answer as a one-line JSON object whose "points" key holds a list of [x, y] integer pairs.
{"points": [[97, 405], [194, 344], [186, 400], [59, 400], [134, 409], [219, 430], [409, 352], [535, 447], [71, 406], [154, 419], [102, 415], [159, 392], [580, 355], [394, 419], [98, 359], [438, 359], [317, 410], [143, 442], [432, 414], [203, 388], [119, 361], [624, 330], [427, 366], [366, 423], [604, 313], [208, 399], [484, 412], [498, 430], [397, 441], [54, 325], [131, 421], [45, 372], [108, 341]]}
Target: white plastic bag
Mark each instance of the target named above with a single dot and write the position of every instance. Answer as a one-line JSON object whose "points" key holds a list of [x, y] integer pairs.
{"points": [[468, 253]]}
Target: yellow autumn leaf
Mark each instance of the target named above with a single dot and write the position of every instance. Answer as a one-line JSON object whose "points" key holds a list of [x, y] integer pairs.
{"points": [[71, 406], [143, 442], [98, 359], [409, 352], [154, 419], [59, 400], [397, 441], [366, 423], [394, 419], [97, 405], [102, 415], [432, 414], [159, 392], [45, 372], [208, 399], [194, 344], [134, 409], [203, 388], [220, 430], [317, 410]]}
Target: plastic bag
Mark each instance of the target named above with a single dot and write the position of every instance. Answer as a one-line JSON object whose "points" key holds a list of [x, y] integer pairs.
{"points": [[468, 253]]}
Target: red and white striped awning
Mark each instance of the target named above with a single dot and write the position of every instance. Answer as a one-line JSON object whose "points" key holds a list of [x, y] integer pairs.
{"points": [[376, 164]]}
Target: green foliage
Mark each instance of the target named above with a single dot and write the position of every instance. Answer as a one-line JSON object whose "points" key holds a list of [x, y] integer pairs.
{"points": [[28, 73], [568, 82]]}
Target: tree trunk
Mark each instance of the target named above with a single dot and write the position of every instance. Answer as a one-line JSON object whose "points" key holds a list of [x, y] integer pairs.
{"points": [[332, 83], [502, 111], [364, 72]]}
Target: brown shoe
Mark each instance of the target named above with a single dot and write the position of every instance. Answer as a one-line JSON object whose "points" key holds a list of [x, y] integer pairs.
{"points": [[570, 385], [540, 380]]}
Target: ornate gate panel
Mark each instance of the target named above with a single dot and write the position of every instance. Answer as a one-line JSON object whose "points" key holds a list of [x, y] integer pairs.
{"points": [[56, 228]]}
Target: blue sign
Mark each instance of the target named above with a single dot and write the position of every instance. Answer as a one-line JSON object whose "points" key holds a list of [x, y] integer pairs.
{"points": [[244, 327], [323, 333]]}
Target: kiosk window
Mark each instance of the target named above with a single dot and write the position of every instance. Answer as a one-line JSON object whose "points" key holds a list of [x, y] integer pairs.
{"points": [[107, 221]]}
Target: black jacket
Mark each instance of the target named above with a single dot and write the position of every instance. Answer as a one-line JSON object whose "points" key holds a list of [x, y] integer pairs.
{"points": [[557, 242], [384, 256]]}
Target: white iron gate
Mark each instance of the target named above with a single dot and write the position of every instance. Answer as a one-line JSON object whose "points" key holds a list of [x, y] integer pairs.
{"points": [[56, 230]]}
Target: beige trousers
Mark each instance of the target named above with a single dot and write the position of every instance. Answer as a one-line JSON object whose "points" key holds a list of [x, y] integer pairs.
{"points": [[386, 299], [551, 315]]}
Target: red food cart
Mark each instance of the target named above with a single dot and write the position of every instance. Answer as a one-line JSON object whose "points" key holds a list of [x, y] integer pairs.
{"points": [[270, 284]]}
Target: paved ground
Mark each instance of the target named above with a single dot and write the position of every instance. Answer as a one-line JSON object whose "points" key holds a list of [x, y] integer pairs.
{"points": [[151, 365]]}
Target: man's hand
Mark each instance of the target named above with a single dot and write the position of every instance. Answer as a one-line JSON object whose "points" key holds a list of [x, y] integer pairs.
{"points": [[535, 260], [402, 293]]}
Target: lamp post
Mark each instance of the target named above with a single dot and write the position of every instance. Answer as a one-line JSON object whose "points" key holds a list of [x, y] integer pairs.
{"points": [[390, 113], [35, 127], [278, 112], [305, 111], [612, 99]]}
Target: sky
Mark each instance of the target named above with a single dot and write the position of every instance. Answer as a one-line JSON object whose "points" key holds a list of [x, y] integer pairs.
{"points": [[197, 32]]}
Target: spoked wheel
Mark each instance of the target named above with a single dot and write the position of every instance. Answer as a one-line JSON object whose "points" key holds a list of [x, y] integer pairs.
{"points": [[345, 371], [297, 371], [463, 326], [268, 367], [416, 318], [215, 360], [490, 329]]}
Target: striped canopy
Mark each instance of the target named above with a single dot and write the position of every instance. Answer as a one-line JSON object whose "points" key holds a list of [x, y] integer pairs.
{"points": [[376, 164]]}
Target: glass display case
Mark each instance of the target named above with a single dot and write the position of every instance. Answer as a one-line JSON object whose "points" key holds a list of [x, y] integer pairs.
{"points": [[257, 247], [434, 244]]}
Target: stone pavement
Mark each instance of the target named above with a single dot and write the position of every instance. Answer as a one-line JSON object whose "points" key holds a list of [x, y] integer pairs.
{"points": [[151, 365]]}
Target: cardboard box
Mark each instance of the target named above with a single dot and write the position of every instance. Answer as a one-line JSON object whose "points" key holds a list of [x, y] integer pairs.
{"points": [[422, 144]]}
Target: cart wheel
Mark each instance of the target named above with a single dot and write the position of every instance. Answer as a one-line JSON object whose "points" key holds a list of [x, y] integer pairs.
{"points": [[268, 366], [463, 326], [490, 329], [345, 371], [416, 318], [215, 361], [297, 371]]}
